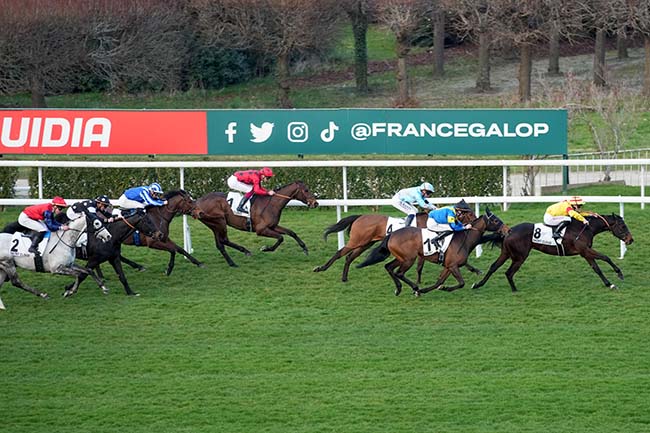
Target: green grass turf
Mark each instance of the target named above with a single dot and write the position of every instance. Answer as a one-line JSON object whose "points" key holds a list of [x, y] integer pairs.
{"points": [[271, 346]]}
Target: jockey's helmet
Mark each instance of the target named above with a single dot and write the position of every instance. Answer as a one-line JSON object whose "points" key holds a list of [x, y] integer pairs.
{"points": [[267, 172], [58, 201], [426, 186], [155, 188], [576, 201], [462, 206], [103, 199]]}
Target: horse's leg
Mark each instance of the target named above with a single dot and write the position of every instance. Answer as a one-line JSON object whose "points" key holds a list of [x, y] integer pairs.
{"points": [[337, 255], [76, 270], [131, 263], [441, 279], [514, 267], [285, 231], [401, 273], [455, 271], [227, 242], [117, 265], [170, 264], [270, 233], [218, 228], [350, 258], [419, 270], [604, 258], [17, 282], [472, 269], [390, 268], [493, 268], [72, 288], [171, 246], [590, 256]]}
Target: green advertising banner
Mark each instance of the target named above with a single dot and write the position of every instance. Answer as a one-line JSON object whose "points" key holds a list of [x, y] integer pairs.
{"points": [[390, 131]]}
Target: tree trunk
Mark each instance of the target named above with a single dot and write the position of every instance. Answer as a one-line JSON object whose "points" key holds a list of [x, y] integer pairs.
{"points": [[483, 79], [359, 21], [621, 47], [599, 59], [37, 90], [283, 81], [554, 51], [646, 71], [402, 73], [438, 43], [525, 71]]}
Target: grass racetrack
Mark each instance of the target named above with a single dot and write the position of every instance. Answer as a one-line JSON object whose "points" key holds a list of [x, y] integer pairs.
{"points": [[271, 346]]}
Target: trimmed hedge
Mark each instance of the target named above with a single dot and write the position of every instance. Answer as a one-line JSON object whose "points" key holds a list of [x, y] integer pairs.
{"points": [[325, 182], [8, 176]]}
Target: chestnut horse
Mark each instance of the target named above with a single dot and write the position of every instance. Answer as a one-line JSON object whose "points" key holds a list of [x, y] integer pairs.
{"points": [[577, 240], [364, 231], [406, 246], [265, 212]]}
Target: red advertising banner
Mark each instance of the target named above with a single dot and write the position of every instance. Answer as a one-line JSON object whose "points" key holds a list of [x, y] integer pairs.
{"points": [[103, 132]]}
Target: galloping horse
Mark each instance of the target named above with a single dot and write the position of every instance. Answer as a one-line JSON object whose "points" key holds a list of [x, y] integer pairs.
{"points": [[100, 252], [265, 212], [58, 257], [406, 246], [364, 232], [178, 202], [577, 240]]}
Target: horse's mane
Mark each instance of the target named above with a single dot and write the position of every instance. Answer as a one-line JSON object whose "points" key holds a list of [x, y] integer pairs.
{"points": [[297, 182], [171, 194]]}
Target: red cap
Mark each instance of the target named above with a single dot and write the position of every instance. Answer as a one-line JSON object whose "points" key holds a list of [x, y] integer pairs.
{"points": [[58, 201]]}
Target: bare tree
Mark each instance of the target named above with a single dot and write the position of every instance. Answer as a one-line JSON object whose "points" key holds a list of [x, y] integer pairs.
{"points": [[360, 12], [637, 18], [276, 28], [403, 18], [42, 46], [438, 19]]}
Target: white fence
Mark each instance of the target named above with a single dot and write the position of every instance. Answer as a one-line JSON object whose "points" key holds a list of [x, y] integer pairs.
{"points": [[345, 202]]}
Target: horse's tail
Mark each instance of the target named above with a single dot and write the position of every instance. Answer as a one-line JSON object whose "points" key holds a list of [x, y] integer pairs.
{"points": [[377, 255], [341, 225]]}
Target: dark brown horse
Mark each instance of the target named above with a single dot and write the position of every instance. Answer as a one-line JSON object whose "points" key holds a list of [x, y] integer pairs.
{"points": [[264, 217], [406, 246], [178, 202], [364, 231], [577, 240]]}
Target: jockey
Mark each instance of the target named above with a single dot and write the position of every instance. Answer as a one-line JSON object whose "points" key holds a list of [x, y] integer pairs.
{"points": [[445, 220], [559, 215], [142, 196], [405, 198], [99, 208], [249, 182], [40, 218]]}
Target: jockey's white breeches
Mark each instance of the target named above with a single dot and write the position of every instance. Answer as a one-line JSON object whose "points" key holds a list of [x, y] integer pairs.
{"points": [[437, 227], [235, 184], [25, 221], [405, 207], [551, 220], [126, 203]]}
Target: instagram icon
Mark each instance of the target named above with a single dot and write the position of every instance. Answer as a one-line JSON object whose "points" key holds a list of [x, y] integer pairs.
{"points": [[297, 132]]}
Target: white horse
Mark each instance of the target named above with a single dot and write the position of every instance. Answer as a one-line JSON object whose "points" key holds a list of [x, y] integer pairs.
{"points": [[57, 258]]}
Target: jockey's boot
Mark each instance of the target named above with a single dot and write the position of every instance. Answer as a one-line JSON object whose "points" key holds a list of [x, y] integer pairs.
{"points": [[408, 220], [439, 238], [36, 238], [243, 201], [558, 228]]}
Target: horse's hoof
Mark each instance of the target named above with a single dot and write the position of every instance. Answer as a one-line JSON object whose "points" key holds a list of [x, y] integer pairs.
{"points": [[133, 294], [44, 296], [142, 269], [318, 269], [248, 253], [417, 293], [613, 286], [66, 294], [620, 276], [105, 290], [201, 265], [305, 251], [475, 286], [233, 265]]}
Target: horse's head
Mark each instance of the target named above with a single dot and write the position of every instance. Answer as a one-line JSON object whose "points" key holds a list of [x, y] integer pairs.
{"points": [[619, 228], [141, 221], [302, 193], [494, 223], [181, 201], [466, 217], [95, 226]]}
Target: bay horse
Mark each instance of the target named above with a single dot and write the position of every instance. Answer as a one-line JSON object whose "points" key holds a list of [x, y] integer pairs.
{"points": [[406, 246], [100, 252], [364, 231], [577, 240], [265, 212], [178, 202]]}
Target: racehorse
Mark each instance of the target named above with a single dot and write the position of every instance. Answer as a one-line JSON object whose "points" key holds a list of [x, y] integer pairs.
{"points": [[57, 258], [406, 246], [364, 231], [265, 212], [178, 202], [577, 240], [100, 252], [8, 269]]}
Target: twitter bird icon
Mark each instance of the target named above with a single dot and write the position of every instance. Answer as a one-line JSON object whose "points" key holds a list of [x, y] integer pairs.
{"points": [[261, 134]]}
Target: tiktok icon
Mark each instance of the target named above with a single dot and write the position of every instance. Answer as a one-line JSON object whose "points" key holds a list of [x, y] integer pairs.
{"points": [[327, 135]]}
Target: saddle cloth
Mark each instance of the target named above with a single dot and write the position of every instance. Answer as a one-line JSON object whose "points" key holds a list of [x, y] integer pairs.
{"points": [[428, 247], [20, 243], [543, 234], [233, 199], [394, 224]]}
